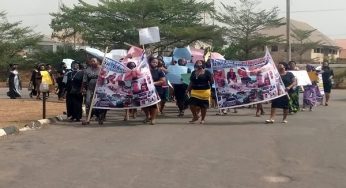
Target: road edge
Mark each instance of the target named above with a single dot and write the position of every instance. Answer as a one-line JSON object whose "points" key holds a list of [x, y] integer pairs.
{"points": [[10, 130]]}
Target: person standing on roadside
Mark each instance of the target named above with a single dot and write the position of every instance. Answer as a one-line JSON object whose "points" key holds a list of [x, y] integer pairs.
{"points": [[14, 83], [74, 97]]}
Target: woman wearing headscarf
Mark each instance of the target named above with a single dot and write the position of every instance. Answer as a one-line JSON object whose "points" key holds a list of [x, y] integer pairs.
{"points": [[327, 77], [159, 80], [199, 90], [14, 83], [310, 91], [289, 81]]}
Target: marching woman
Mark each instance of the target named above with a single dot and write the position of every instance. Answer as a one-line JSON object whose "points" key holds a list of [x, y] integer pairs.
{"points": [[294, 95], [200, 91], [327, 77], [289, 81], [159, 80]]}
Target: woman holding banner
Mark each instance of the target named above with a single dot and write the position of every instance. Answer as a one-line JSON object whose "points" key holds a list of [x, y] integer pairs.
{"points": [[199, 89], [159, 80], [89, 84], [289, 81]]}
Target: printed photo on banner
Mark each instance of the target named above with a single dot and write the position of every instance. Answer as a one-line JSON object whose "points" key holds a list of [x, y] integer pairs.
{"points": [[240, 83], [125, 85]]}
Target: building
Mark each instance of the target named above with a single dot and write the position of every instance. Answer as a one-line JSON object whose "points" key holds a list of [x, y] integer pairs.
{"points": [[326, 50], [342, 44]]}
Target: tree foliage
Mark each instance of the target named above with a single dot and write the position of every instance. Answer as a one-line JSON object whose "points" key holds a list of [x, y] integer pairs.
{"points": [[113, 22], [243, 25], [55, 58], [13, 39], [303, 43]]}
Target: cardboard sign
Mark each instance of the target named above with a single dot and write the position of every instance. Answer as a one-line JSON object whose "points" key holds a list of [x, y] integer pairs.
{"points": [[302, 76], [149, 35]]}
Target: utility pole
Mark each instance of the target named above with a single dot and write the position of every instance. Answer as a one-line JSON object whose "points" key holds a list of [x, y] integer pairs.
{"points": [[288, 30]]}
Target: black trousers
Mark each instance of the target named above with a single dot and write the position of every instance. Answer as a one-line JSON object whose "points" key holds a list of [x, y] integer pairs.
{"points": [[180, 95], [74, 104]]}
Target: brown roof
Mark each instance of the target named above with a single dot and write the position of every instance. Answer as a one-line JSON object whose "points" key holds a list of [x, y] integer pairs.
{"points": [[341, 43], [315, 36]]}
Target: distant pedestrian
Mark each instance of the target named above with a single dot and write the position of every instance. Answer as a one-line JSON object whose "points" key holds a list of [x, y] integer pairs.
{"points": [[60, 89], [14, 83], [32, 83]]}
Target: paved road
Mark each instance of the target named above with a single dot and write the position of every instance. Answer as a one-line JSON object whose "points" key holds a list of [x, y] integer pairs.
{"points": [[237, 151]]}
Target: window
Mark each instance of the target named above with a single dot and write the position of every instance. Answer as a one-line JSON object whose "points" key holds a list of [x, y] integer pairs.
{"points": [[317, 50], [275, 48]]}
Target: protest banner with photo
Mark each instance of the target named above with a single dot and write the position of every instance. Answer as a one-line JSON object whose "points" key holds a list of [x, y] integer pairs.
{"points": [[240, 83], [119, 87], [320, 84], [302, 76]]}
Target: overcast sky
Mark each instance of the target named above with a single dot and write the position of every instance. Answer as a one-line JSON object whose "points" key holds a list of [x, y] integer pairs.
{"points": [[328, 16]]}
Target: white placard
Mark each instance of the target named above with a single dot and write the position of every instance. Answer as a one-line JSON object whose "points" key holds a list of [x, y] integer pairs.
{"points": [[302, 76], [149, 35]]}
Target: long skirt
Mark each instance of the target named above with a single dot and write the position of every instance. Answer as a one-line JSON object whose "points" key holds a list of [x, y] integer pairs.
{"points": [[294, 101], [310, 97], [180, 95]]}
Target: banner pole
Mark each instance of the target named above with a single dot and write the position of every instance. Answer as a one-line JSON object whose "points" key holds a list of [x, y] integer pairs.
{"points": [[93, 97]]}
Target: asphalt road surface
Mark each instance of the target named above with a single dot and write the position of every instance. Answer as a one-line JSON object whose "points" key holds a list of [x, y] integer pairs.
{"points": [[237, 150]]}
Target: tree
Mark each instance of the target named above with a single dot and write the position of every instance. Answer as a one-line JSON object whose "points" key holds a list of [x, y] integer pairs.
{"points": [[243, 26], [303, 42], [14, 39], [55, 58], [111, 23]]}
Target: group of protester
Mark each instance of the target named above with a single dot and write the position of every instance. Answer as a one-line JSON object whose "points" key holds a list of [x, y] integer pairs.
{"points": [[78, 84], [312, 95]]}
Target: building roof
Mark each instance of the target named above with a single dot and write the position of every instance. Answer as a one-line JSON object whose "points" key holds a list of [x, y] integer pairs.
{"points": [[315, 36], [341, 43]]}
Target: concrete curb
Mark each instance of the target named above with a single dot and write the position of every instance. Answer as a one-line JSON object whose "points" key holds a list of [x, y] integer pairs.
{"points": [[31, 126], [9, 130]]}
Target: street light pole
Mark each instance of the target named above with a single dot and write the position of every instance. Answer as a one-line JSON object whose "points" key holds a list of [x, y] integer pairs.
{"points": [[288, 30]]}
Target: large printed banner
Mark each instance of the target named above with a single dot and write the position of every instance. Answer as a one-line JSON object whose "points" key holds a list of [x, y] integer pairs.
{"points": [[119, 87], [240, 83]]}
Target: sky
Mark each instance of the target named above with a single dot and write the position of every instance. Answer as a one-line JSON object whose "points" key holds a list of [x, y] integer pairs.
{"points": [[328, 16]]}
